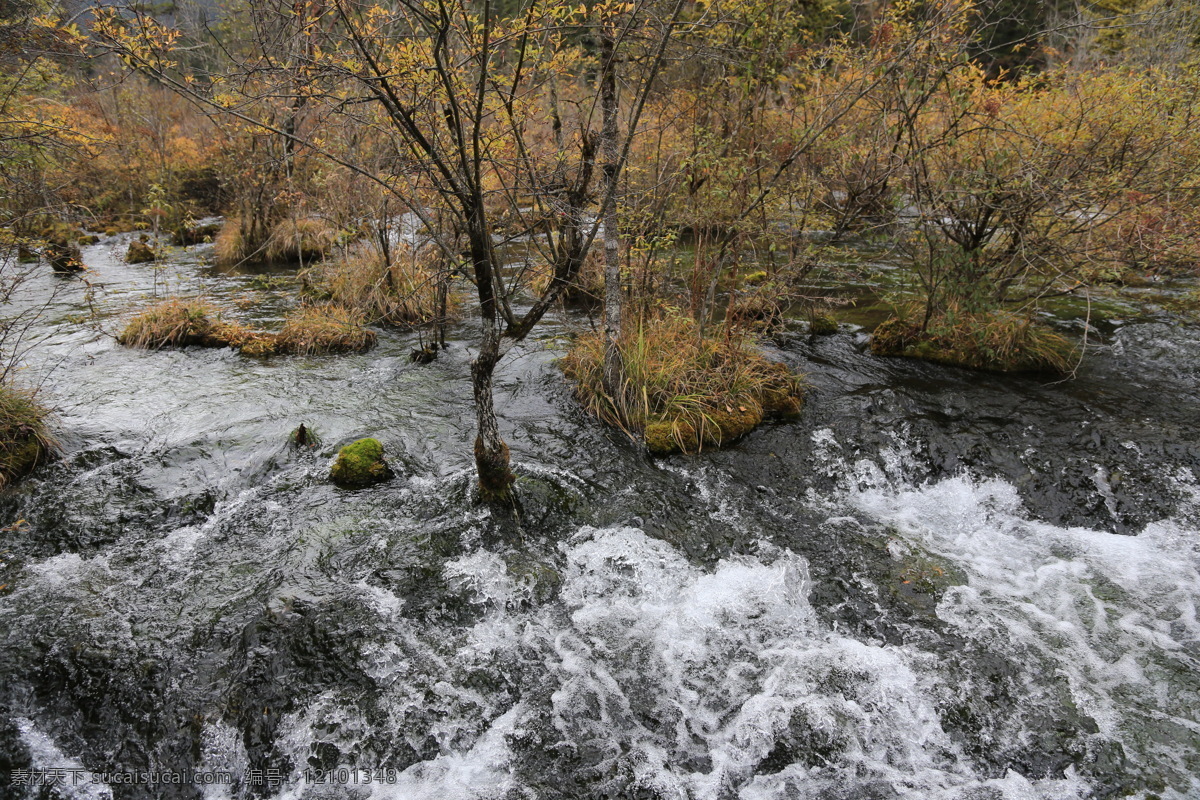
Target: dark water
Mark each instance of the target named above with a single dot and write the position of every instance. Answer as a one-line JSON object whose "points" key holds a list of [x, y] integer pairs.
{"points": [[935, 584]]}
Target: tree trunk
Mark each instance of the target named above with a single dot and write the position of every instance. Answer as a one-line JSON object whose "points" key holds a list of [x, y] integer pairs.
{"points": [[613, 368], [491, 453]]}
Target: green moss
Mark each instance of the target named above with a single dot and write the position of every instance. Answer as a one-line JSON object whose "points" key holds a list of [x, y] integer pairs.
{"points": [[360, 464], [692, 433]]}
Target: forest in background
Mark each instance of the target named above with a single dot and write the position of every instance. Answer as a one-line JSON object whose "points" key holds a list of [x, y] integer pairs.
{"points": [[686, 170]]}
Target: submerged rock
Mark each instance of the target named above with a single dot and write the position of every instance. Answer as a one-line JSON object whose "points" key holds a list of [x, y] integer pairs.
{"points": [[360, 464]]}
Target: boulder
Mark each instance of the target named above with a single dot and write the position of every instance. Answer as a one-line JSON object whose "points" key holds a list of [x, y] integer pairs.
{"points": [[140, 251], [360, 464]]}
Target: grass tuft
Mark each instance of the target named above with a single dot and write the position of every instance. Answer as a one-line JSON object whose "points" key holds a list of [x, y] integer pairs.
{"points": [[324, 329], [682, 392], [302, 240], [997, 341], [25, 440], [404, 294], [175, 322]]}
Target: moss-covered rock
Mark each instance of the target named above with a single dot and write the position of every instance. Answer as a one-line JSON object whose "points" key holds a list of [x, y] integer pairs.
{"points": [[360, 464], [64, 258], [140, 251], [782, 392], [822, 325]]}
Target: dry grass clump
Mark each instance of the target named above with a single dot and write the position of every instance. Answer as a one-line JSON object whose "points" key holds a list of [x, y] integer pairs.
{"points": [[248, 240], [998, 341], [180, 322], [681, 391], [324, 329], [301, 240], [24, 437], [174, 322], [248, 342], [404, 293], [230, 245]]}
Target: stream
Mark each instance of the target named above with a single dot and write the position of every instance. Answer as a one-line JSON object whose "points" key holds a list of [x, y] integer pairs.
{"points": [[936, 583]]}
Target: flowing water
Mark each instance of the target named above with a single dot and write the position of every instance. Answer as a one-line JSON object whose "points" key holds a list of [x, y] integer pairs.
{"points": [[935, 584]]}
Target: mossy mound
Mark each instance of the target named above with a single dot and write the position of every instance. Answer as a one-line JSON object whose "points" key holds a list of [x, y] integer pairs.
{"points": [[140, 251], [360, 464], [692, 433], [246, 341], [822, 325], [996, 341], [24, 439]]}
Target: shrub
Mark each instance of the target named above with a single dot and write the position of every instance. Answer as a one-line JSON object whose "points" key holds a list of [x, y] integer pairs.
{"points": [[999, 341], [681, 391], [324, 329], [24, 439], [588, 287], [404, 293]]}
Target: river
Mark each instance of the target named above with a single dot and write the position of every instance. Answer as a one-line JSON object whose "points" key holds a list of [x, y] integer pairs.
{"points": [[936, 583]]}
